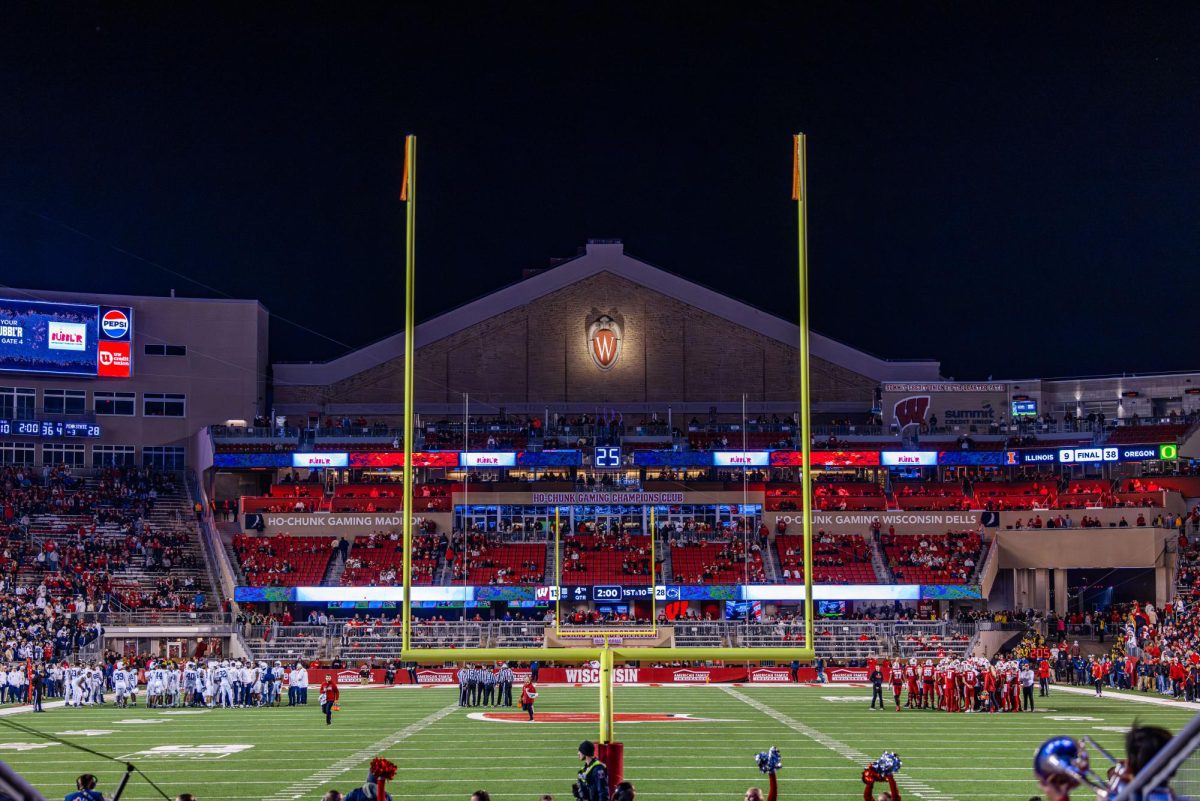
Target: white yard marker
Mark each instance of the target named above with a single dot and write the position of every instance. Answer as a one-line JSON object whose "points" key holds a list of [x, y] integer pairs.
{"points": [[305, 787], [916, 788]]}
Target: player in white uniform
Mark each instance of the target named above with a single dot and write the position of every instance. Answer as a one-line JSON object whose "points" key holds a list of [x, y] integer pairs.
{"points": [[276, 682], [120, 684], [189, 684], [154, 685], [72, 695], [96, 686], [172, 676], [224, 685]]}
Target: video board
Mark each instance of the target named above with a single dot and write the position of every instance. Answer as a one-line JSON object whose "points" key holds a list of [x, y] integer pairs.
{"points": [[66, 339]]}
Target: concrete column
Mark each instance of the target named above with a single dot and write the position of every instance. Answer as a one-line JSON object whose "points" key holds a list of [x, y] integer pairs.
{"points": [[1041, 589], [1060, 592]]}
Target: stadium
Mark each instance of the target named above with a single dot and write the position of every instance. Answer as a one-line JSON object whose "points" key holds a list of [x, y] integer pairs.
{"points": [[603, 454]]}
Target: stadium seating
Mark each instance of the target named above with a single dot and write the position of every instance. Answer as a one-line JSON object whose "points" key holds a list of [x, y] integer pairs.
{"points": [[504, 563], [715, 562], [843, 559], [376, 560], [282, 560], [612, 559], [932, 558]]}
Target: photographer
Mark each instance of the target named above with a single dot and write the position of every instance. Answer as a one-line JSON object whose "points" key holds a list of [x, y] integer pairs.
{"points": [[592, 784]]}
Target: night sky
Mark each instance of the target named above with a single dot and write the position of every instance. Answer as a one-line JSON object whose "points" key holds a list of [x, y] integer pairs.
{"points": [[1012, 189]]}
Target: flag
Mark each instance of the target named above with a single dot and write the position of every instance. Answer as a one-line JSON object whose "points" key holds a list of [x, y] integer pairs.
{"points": [[404, 180], [797, 167]]}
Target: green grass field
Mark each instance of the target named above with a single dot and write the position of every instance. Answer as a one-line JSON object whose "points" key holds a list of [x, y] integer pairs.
{"points": [[826, 736]]}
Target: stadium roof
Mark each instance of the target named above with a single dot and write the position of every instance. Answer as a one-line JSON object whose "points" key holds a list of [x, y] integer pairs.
{"points": [[599, 257]]}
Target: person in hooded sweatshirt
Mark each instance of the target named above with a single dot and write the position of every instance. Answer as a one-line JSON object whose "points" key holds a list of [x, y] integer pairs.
{"points": [[368, 792]]}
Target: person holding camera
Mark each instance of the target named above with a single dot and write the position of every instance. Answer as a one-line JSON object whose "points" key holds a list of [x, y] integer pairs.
{"points": [[592, 782]]}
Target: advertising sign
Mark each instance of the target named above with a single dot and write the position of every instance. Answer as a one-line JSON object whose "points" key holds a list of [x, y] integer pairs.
{"points": [[950, 458], [954, 405], [488, 459], [396, 459], [550, 459], [909, 458], [584, 498], [741, 458], [317, 460], [65, 338], [826, 458], [671, 459]]}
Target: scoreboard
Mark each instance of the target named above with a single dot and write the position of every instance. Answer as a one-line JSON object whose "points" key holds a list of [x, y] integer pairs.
{"points": [[66, 339], [48, 428]]}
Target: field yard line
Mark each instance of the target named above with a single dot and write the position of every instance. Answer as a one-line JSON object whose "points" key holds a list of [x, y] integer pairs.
{"points": [[304, 786], [918, 789], [1137, 699]]}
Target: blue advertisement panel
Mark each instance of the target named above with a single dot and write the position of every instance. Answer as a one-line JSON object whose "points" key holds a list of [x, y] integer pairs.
{"points": [[951, 592], [549, 459], [37, 337], [953, 458], [672, 459], [252, 460]]}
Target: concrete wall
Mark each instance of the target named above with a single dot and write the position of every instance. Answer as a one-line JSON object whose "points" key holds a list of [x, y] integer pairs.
{"points": [[223, 374], [1073, 548]]}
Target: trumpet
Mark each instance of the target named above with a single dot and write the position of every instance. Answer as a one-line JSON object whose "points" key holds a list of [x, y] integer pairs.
{"points": [[1065, 758]]}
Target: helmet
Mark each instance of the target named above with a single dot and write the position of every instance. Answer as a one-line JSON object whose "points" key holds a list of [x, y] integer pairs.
{"points": [[928, 663], [1061, 756], [912, 661]]}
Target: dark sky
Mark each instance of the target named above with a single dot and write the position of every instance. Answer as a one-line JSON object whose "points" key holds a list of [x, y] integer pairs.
{"points": [[1012, 189]]}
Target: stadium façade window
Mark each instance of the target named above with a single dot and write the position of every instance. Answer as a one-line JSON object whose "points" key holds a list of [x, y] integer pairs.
{"points": [[164, 404], [119, 404]]}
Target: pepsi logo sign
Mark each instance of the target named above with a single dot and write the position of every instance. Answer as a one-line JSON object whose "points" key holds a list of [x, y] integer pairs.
{"points": [[115, 324]]}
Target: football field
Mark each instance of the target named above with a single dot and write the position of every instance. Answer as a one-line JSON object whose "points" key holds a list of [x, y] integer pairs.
{"points": [[681, 743]]}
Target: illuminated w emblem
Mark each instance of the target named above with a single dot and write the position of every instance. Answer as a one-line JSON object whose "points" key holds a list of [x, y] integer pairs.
{"points": [[604, 340], [911, 411]]}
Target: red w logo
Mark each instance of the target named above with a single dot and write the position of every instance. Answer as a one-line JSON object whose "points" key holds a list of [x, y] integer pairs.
{"points": [[911, 411], [604, 347]]}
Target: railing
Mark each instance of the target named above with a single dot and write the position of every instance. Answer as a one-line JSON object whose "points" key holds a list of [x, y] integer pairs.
{"points": [[154, 617], [261, 632], [253, 432]]}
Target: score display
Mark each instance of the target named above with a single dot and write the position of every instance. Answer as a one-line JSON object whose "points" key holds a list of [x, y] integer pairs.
{"points": [[48, 428], [607, 457]]}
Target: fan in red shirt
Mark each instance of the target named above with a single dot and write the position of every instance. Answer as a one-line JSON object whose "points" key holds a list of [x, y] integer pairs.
{"points": [[528, 696], [329, 698]]}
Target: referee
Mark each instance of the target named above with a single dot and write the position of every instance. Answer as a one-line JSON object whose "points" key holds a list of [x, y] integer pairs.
{"points": [[504, 696]]}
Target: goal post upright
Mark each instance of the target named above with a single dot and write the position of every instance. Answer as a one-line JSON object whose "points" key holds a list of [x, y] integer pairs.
{"points": [[799, 194], [605, 653], [408, 194]]}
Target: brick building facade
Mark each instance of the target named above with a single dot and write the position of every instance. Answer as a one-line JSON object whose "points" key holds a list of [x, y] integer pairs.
{"points": [[533, 345]]}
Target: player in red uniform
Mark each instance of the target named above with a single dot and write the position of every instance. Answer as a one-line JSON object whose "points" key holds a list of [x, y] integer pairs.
{"points": [[989, 690], [971, 685], [897, 682], [927, 679], [912, 674], [949, 692]]}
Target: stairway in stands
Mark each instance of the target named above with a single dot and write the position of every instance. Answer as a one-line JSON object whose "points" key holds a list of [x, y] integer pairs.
{"points": [[337, 566], [172, 513], [228, 531], [879, 562]]}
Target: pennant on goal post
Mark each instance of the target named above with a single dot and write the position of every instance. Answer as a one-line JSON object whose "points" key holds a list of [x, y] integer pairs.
{"points": [[404, 180], [798, 167]]}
